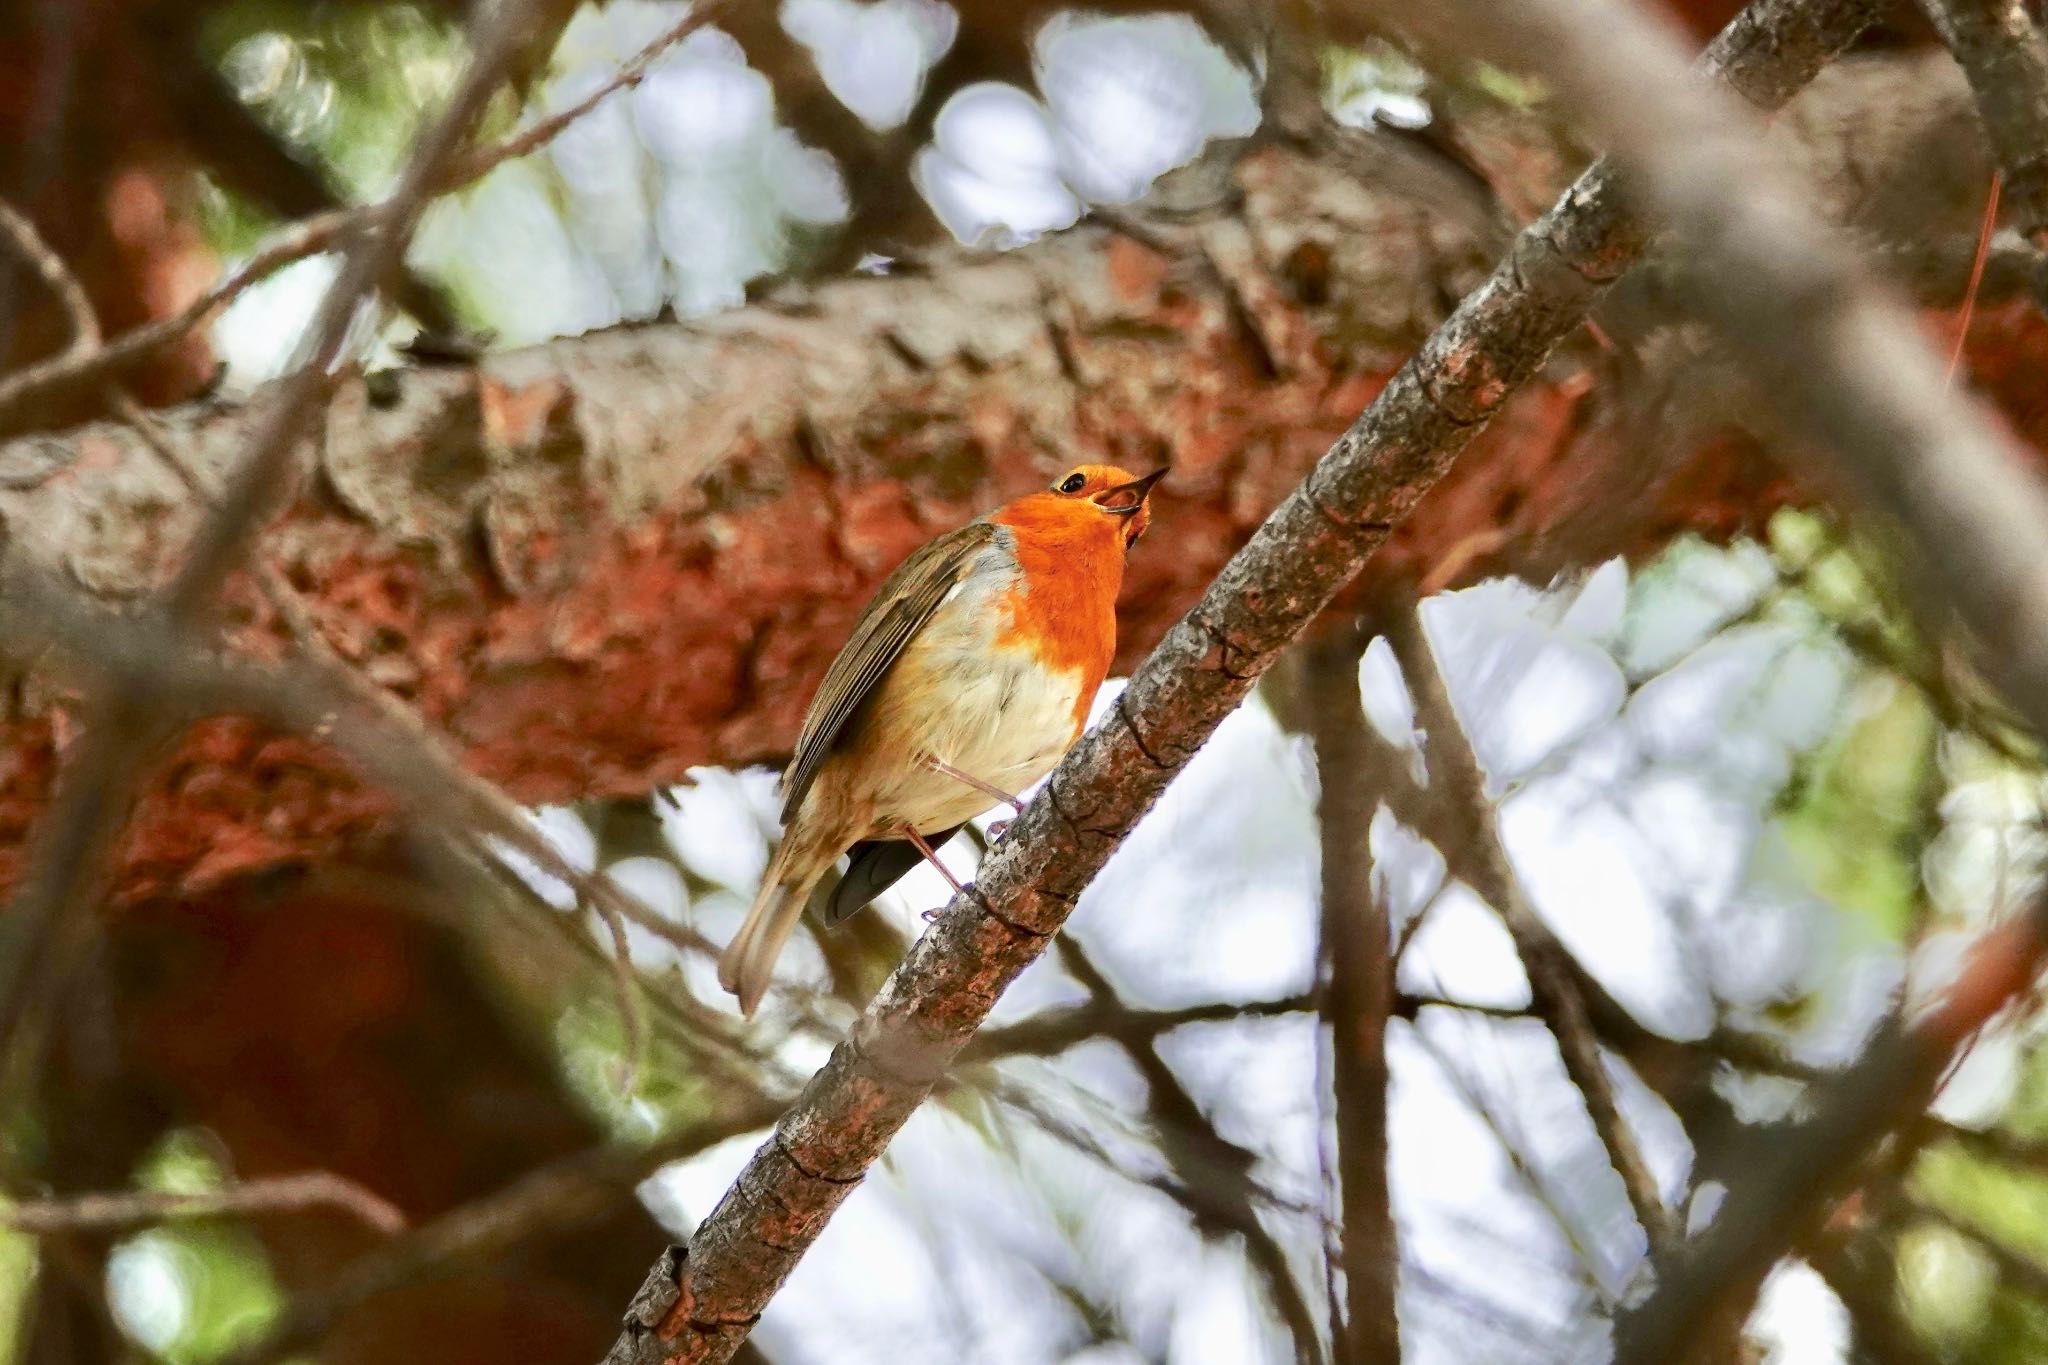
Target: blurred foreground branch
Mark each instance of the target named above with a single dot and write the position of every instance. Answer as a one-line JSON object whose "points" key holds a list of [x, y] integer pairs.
{"points": [[1847, 369], [699, 1303], [264, 1194], [88, 358], [47, 927]]}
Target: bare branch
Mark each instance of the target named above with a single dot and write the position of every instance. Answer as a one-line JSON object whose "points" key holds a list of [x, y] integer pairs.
{"points": [[699, 1305], [265, 1194], [1050, 1032], [1357, 965], [45, 928], [1214, 1173], [83, 362], [1454, 765], [56, 277], [566, 1194], [2003, 54]]}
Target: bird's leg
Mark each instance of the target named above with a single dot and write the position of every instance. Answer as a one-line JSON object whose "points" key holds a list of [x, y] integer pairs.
{"points": [[931, 855], [948, 770]]}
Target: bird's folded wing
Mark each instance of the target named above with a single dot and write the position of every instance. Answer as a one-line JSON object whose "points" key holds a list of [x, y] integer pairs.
{"points": [[900, 607]]}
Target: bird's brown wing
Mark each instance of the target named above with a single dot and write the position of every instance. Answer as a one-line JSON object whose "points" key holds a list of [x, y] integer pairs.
{"points": [[901, 605]]}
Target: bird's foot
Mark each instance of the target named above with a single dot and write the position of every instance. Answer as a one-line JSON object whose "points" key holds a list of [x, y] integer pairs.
{"points": [[998, 828]]}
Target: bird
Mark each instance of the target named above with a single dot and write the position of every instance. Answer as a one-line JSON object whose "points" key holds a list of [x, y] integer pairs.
{"points": [[965, 678]]}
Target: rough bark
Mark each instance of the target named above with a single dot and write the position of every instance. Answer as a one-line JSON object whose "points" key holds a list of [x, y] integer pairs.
{"points": [[699, 1304], [599, 562]]}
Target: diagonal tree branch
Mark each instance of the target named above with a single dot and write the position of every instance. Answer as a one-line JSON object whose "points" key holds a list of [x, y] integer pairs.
{"points": [[263, 1194], [699, 1304], [2003, 54]]}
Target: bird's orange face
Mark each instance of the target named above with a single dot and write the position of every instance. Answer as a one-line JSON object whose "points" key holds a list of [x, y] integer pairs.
{"points": [[1110, 492]]}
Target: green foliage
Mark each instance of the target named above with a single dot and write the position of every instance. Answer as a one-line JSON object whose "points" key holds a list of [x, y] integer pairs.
{"points": [[192, 1290]]}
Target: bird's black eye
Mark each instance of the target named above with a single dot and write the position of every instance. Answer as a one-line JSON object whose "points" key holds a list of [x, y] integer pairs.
{"points": [[1073, 483]]}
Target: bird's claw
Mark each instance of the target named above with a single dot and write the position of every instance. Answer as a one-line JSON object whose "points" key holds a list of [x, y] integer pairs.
{"points": [[998, 828]]}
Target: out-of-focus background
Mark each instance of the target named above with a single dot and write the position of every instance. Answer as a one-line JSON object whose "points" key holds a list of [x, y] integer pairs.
{"points": [[650, 411]]}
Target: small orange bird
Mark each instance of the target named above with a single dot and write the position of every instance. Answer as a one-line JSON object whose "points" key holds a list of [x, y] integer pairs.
{"points": [[965, 679]]}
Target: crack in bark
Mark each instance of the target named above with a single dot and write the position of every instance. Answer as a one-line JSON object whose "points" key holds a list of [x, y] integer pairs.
{"points": [[781, 1143]]}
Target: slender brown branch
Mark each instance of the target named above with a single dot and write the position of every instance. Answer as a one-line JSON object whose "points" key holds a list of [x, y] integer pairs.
{"points": [[1214, 1173], [1050, 1032], [56, 277], [84, 363], [265, 1194], [572, 1192], [698, 1305], [2002, 52], [318, 693], [1552, 985], [1357, 965], [469, 169]]}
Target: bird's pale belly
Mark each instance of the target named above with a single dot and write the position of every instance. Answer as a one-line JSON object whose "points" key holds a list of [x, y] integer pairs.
{"points": [[994, 712]]}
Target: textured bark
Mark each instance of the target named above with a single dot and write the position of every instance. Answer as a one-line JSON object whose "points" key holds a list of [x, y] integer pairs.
{"points": [[1997, 43], [700, 1306], [599, 562]]}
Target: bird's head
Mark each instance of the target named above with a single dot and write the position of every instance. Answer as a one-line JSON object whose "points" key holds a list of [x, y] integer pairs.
{"points": [[1092, 493]]}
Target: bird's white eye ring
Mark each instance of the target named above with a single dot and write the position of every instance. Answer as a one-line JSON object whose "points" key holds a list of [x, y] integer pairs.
{"points": [[1073, 483]]}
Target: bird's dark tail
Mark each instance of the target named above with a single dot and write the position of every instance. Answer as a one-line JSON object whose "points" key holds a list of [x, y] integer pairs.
{"points": [[877, 865]]}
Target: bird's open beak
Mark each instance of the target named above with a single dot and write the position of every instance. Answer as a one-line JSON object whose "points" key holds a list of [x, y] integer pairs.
{"points": [[1129, 497]]}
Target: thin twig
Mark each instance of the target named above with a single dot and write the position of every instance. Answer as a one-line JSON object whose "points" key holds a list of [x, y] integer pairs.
{"points": [[1454, 767], [1214, 1172], [2002, 52], [322, 232], [467, 170], [263, 1194], [56, 277], [1985, 230], [1357, 987], [82, 365], [46, 928], [1050, 1032]]}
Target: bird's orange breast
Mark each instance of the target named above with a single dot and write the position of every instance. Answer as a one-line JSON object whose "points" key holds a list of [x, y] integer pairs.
{"points": [[1062, 607]]}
